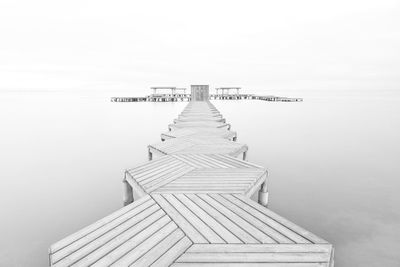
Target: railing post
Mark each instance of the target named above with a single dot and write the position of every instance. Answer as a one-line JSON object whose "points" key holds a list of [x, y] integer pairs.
{"points": [[263, 194], [128, 192]]}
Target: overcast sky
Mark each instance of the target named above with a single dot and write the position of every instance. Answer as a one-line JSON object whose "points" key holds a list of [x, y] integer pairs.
{"points": [[117, 45]]}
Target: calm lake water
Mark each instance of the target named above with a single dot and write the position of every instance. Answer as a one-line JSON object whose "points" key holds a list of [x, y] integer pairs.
{"points": [[333, 162]]}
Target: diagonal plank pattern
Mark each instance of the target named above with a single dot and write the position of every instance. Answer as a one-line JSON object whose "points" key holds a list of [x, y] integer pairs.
{"points": [[196, 173], [192, 208], [204, 132], [198, 145]]}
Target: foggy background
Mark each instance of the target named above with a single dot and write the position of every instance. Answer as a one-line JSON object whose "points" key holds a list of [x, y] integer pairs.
{"points": [[333, 159], [131, 45]]}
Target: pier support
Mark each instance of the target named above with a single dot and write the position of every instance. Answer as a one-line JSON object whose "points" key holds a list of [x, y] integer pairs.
{"points": [[244, 155], [150, 155], [128, 193], [263, 194]]}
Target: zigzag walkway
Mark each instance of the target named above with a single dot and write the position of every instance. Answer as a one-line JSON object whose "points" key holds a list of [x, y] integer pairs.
{"points": [[192, 208]]}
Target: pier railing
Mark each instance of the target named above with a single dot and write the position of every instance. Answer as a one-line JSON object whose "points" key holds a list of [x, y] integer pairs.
{"points": [[187, 97]]}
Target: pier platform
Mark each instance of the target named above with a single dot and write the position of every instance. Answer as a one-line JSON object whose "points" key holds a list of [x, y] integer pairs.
{"points": [[187, 97], [204, 132], [194, 209]]}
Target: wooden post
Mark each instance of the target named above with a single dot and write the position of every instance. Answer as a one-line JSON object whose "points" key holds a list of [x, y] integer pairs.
{"points": [[263, 194], [128, 193], [244, 155], [150, 155]]}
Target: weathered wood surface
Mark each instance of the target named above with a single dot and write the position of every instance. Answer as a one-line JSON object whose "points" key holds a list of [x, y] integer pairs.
{"points": [[198, 145], [204, 132], [195, 124], [140, 233], [197, 173], [194, 209], [192, 229], [198, 118]]}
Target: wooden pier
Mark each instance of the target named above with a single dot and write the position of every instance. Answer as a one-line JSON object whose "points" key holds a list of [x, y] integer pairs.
{"points": [[191, 206], [187, 97], [222, 93]]}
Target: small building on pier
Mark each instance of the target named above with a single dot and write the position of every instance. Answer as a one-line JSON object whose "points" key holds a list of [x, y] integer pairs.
{"points": [[200, 92]]}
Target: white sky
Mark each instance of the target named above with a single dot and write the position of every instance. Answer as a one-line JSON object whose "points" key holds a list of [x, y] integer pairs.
{"points": [[119, 45]]}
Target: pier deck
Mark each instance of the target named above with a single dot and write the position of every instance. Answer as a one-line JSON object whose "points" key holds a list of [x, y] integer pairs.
{"points": [[198, 145], [196, 173], [195, 124], [192, 230], [204, 132], [194, 209]]}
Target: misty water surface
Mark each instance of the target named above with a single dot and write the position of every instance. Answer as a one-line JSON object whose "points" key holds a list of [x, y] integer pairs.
{"points": [[333, 162]]}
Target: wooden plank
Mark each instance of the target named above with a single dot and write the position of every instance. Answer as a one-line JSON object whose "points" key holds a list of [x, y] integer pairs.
{"points": [[211, 186], [132, 243], [178, 170], [173, 253], [156, 171], [147, 245], [215, 162], [152, 171], [242, 235], [166, 179], [218, 228], [189, 230], [100, 223], [197, 191], [197, 223], [306, 234], [189, 161], [246, 163], [100, 247], [267, 220], [159, 249], [93, 241], [249, 264], [270, 248], [201, 132], [212, 182], [266, 229], [150, 164], [199, 158], [165, 172], [309, 257], [246, 226], [228, 172], [236, 163]]}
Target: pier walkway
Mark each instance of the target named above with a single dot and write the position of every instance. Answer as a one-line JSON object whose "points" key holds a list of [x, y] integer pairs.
{"points": [[190, 206]]}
